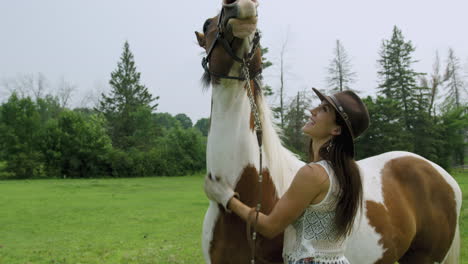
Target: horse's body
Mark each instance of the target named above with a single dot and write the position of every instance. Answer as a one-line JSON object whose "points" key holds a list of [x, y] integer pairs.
{"points": [[232, 153], [410, 209]]}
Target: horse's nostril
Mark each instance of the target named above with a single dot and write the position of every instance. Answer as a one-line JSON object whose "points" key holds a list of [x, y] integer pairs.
{"points": [[228, 2]]}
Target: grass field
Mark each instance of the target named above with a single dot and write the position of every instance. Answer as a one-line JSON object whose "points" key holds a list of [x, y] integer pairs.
{"points": [[145, 220], [462, 179]]}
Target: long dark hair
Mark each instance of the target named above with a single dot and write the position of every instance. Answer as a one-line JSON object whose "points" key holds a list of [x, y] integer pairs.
{"points": [[347, 174]]}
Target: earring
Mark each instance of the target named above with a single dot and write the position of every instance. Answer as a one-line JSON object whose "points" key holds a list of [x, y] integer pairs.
{"points": [[330, 145]]}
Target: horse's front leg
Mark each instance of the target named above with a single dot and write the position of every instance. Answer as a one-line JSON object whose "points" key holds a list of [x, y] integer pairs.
{"points": [[209, 223]]}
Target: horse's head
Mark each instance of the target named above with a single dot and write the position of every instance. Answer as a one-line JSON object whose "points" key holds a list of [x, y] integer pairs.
{"points": [[231, 38]]}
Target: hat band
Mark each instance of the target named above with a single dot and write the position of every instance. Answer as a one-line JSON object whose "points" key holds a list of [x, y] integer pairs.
{"points": [[343, 114]]}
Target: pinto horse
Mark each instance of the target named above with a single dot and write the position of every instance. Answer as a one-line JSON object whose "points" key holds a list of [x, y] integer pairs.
{"points": [[410, 207]]}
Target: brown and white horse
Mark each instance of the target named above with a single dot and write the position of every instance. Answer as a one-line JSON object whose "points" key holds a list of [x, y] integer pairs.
{"points": [[411, 205]]}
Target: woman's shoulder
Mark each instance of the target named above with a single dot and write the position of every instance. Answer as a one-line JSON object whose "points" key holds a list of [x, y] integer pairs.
{"points": [[313, 173]]}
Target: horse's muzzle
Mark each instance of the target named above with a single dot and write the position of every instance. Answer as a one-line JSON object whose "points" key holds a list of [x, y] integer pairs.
{"points": [[240, 9]]}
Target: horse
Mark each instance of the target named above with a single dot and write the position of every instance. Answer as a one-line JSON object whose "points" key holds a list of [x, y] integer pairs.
{"points": [[410, 206]]}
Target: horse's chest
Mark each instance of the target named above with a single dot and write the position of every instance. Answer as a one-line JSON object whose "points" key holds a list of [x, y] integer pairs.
{"points": [[229, 152]]}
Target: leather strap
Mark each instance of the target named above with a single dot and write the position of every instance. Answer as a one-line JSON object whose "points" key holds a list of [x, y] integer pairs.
{"points": [[225, 42], [343, 114], [251, 220]]}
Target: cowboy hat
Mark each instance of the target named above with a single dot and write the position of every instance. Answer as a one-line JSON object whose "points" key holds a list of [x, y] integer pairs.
{"points": [[351, 109]]}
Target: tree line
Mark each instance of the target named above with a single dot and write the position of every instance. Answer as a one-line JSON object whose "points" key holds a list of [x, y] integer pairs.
{"points": [[125, 135], [412, 111]]}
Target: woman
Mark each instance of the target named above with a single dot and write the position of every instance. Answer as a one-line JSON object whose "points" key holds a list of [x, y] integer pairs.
{"points": [[318, 210]]}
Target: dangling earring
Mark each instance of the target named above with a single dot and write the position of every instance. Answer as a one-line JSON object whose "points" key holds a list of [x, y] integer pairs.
{"points": [[330, 145]]}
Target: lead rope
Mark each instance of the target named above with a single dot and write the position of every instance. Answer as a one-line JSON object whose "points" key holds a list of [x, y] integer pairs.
{"points": [[259, 133]]}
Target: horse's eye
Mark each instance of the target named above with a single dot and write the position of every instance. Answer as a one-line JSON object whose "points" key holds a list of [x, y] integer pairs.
{"points": [[206, 25]]}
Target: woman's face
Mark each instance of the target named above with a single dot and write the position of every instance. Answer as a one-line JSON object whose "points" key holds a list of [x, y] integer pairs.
{"points": [[322, 123]]}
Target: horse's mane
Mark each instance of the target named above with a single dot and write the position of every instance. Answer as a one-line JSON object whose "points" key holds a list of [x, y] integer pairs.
{"points": [[282, 163], [205, 80]]}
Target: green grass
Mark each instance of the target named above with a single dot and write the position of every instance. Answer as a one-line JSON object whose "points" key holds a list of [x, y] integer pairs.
{"points": [[462, 179], [144, 220]]}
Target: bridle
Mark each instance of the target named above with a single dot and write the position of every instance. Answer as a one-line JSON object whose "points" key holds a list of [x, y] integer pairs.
{"points": [[226, 40]]}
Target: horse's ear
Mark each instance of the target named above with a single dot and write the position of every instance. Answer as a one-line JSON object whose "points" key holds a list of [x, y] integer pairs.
{"points": [[201, 39]]}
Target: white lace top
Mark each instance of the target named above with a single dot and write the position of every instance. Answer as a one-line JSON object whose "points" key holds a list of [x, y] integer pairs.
{"points": [[313, 234]]}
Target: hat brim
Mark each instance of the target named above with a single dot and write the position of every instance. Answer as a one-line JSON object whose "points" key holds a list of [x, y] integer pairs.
{"points": [[330, 101]]}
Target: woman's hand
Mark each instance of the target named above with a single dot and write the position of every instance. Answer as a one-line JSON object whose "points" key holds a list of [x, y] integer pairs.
{"points": [[218, 191]]}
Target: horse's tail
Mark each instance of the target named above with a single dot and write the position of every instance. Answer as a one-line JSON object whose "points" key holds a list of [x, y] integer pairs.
{"points": [[453, 254]]}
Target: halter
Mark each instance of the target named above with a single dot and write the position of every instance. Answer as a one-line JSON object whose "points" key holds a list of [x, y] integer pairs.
{"points": [[245, 76], [225, 40]]}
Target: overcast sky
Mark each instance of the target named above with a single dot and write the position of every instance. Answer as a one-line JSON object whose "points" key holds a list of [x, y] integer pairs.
{"points": [[82, 40]]}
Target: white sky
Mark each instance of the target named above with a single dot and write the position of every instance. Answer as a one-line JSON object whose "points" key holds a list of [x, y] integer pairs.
{"points": [[82, 40]]}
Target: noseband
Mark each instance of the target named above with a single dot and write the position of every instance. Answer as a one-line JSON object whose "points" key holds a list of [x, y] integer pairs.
{"points": [[226, 40]]}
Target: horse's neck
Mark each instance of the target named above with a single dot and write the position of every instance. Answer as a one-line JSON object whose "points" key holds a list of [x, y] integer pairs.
{"points": [[282, 163], [232, 144], [230, 141]]}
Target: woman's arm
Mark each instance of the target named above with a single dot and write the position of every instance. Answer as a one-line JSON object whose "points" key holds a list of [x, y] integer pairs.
{"points": [[309, 184]]}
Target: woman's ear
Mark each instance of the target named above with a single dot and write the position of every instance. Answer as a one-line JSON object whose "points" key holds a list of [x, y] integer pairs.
{"points": [[336, 131]]}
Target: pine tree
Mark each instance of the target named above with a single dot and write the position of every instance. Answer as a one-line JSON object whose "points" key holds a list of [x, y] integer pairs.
{"points": [[454, 105], [267, 90], [127, 101], [280, 110], [398, 79], [455, 85], [295, 118], [386, 131], [433, 84], [340, 74]]}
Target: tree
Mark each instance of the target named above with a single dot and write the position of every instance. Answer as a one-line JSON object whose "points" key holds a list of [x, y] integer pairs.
{"points": [[433, 84], [386, 131], [453, 124], [165, 120], [20, 127], [295, 118], [280, 109], [64, 92], [92, 97], [145, 130], [454, 85], [398, 79], [126, 98], [76, 145], [454, 107], [267, 90], [48, 108], [340, 74], [184, 120], [203, 125], [27, 85], [179, 152]]}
